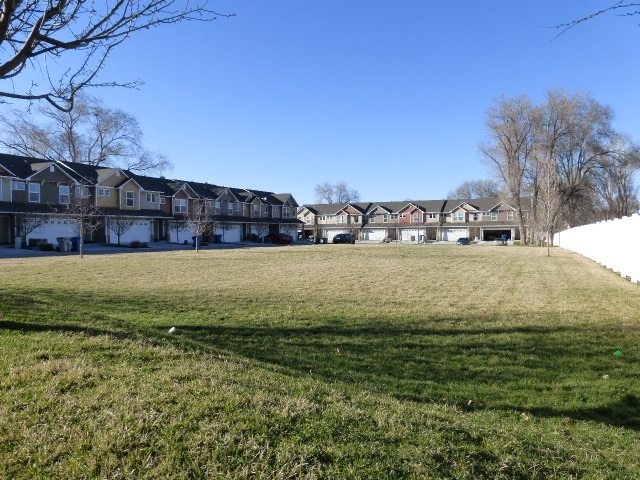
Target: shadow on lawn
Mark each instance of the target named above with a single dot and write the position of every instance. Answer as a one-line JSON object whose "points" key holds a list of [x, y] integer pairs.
{"points": [[474, 369], [471, 368]]}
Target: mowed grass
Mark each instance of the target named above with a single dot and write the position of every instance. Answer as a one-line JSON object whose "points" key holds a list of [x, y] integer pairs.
{"points": [[323, 361]]}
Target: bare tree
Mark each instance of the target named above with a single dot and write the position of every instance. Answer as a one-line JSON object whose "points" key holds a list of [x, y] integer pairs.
{"points": [[178, 224], [199, 221], [27, 223], [90, 133], [472, 189], [335, 193], [60, 47], [509, 149], [120, 225], [86, 216], [616, 181]]}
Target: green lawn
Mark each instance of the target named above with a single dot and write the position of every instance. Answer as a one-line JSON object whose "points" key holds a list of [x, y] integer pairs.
{"points": [[323, 361]]}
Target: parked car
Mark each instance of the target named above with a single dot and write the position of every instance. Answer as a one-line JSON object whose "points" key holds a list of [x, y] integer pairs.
{"points": [[463, 241], [344, 238], [276, 238]]}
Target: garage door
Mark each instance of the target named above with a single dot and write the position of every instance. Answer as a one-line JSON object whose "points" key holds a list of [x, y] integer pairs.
{"points": [[453, 234], [377, 234]]}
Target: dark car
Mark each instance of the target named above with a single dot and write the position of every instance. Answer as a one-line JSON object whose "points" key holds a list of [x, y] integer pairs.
{"points": [[463, 241], [344, 238], [276, 238]]}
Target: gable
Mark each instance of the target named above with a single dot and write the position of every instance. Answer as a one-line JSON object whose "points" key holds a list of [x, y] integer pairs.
{"points": [[410, 209], [51, 173], [114, 179]]}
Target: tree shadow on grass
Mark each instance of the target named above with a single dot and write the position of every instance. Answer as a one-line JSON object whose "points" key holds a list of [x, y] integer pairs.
{"points": [[470, 368]]}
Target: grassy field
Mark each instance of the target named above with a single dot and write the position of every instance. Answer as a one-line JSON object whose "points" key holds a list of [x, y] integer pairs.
{"points": [[330, 361]]}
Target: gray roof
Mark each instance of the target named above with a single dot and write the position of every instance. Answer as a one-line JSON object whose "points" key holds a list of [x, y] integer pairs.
{"points": [[428, 206]]}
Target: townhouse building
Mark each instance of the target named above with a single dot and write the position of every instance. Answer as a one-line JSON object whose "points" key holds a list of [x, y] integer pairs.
{"points": [[38, 197], [414, 221]]}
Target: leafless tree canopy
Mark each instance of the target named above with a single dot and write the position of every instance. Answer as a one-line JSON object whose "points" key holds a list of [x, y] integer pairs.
{"points": [[57, 47], [566, 155], [477, 189], [89, 133], [336, 193]]}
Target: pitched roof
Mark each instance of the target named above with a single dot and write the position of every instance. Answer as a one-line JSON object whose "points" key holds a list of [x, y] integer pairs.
{"points": [[429, 206]]}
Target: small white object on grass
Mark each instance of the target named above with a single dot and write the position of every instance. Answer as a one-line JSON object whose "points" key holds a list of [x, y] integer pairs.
{"points": [[606, 377], [172, 330]]}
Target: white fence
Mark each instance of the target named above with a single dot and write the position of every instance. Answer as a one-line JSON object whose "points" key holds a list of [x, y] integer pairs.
{"points": [[613, 243]]}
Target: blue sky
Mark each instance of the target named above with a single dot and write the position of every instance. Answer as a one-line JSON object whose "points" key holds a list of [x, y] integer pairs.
{"points": [[389, 96]]}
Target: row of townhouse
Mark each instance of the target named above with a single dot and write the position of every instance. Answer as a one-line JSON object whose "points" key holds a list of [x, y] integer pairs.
{"points": [[41, 194], [414, 221]]}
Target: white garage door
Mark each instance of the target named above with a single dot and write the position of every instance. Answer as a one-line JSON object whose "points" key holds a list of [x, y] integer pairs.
{"points": [[377, 234], [453, 234], [232, 235], [140, 231]]}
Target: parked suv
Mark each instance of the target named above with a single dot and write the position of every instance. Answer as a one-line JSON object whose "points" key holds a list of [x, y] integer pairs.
{"points": [[344, 238], [463, 241]]}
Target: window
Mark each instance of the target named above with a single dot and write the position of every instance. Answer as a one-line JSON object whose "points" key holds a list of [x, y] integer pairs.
{"points": [[486, 214], [230, 208], [217, 208], [104, 192], [341, 219], [180, 205], [265, 211], [308, 219], [494, 216], [433, 215], [385, 218], [238, 207], [372, 218], [458, 217], [63, 194], [82, 192], [286, 212], [15, 185], [276, 212], [34, 192], [163, 200], [256, 210], [510, 215], [130, 199], [403, 215], [476, 217], [152, 198], [394, 216], [416, 217]]}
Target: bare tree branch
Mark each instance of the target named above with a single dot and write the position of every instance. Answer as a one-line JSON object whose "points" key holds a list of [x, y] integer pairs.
{"points": [[62, 45], [621, 5]]}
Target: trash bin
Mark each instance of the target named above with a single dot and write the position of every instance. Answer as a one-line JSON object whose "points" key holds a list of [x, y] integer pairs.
{"points": [[318, 239], [197, 239], [75, 244], [325, 240], [64, 244]]}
